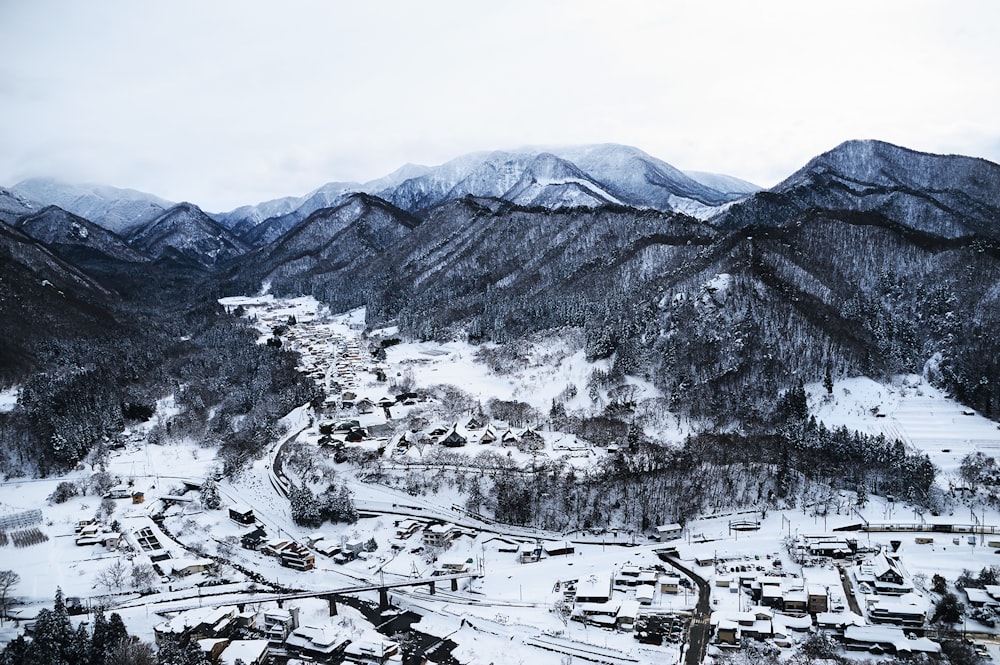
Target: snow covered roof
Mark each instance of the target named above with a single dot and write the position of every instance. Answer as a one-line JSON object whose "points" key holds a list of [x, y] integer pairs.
{"points": [[249, 651], [315, 638], [890, 635]]}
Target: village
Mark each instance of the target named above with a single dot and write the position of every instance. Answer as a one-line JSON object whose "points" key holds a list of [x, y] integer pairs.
{"points": [[184, 554]]}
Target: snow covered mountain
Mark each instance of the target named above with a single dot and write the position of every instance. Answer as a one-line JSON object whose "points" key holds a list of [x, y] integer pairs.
{"points": [[43, 296], [187, 234], [115, 209], [587, 176], [949, 196], [76, 238], [726, 184], [336, 238], [13, 205]]}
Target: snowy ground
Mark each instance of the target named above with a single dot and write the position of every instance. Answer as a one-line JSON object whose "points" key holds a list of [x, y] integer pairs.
{"points": [[912, 411], [504, 616]]}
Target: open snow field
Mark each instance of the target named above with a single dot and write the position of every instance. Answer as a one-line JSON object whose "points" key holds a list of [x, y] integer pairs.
{"points": [[912, 411]]}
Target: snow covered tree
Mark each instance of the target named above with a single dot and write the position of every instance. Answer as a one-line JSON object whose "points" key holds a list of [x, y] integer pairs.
{"points": [[338, 505], [210, 495], [187, 653], [54, 639], [306, 508]]}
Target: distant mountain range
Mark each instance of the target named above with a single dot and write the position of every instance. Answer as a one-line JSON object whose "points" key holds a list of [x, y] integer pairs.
{"points": [[870, 259]]}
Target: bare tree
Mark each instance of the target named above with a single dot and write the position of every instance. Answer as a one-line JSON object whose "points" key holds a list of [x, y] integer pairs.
{"points": [[131, 652], [8, 580], [143, 576], [114, 576]]}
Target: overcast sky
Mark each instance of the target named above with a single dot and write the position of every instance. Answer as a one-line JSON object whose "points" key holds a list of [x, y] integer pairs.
{"points": [[229, 103]]}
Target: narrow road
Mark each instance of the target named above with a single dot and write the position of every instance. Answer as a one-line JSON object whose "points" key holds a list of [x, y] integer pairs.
{"points": [[701, 628], [852, 601]]}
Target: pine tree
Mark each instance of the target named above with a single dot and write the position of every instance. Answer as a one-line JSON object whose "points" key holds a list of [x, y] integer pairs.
{"points": [[54, 636], [306, 510], [828, 380], [210, 495]]}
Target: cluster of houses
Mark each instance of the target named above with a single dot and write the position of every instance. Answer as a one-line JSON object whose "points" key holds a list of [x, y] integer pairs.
{"points": [[227, 635], [783, 608], [616, 601], [475, 431], [92, 532]]}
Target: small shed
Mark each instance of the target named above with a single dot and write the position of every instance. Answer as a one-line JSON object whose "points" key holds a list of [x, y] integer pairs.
{"points": [[242, 514]]}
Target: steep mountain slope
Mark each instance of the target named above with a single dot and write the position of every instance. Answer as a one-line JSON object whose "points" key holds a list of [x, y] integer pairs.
{"points": [[638, 179], [13, 206], [115, 209], [726, 184], [42, 296], [187, 234], [75, 238], [947, 195], [341, 239], [265, 222]]}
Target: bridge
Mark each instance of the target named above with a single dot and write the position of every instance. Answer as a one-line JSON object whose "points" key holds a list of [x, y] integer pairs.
{"points": [[331, 594]]}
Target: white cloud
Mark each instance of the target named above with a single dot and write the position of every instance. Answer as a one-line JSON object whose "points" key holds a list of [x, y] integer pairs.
{"points": [[227, 103]]}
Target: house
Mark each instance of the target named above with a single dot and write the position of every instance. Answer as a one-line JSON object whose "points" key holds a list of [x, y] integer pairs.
{"points": [[884, 574], [644, 593], [355, 546], [668, 531], [627, 614], [529, 552], [600, 614], [558, 548], [250, 652], [297, 557], [275, 546], [138, 497], [439, 535], [364, 406], [532, 440], [728, 632], [315, 642], [452, 438], [454, 566], [796, 601], [406, 528], [185, 567], [213, 647], [279, 624], [594, 589], [488, 437], [242, 514], [886, 639], [669, 583], [906, 610], [509, 438], [372, 647], [818, 599], [196, 624], [253, 539], [328, 548], [119, 492]]}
